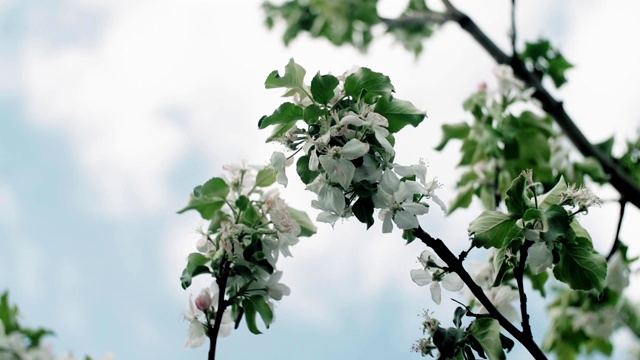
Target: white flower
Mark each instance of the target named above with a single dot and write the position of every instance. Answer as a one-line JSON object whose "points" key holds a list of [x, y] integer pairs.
{"points": [[450, 281], [275, 288], [197, 329], [507, 82], [369, 170], [418, 170], [279, 162], [278, 212], [395, 199], [581, 197], [617, 273], [197, 333], [600, 323], [330, 199], [539, 257], [374, 121]]}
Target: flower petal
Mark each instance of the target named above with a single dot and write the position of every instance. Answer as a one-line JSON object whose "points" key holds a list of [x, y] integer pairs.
{"points": [[452, 282], [421, 277], [405, 220], [436, 292], [354, 149], [416, 208]]}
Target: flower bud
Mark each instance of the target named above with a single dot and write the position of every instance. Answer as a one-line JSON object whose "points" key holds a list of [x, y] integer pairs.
{"points": [[203, 301]]}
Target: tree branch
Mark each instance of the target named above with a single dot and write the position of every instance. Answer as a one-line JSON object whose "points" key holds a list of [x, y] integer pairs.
{"points": [[617, 241], [620, 180], [455, 265], [222, 305], [518, 272]]}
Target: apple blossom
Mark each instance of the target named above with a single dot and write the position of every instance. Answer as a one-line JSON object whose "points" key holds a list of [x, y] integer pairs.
{"points": [[450, 281]]}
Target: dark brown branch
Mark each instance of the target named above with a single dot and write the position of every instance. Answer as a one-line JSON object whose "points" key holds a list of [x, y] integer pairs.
{"points": [[222, 305], [619, 178], [518, 272], [455, 265], [617, 241]]}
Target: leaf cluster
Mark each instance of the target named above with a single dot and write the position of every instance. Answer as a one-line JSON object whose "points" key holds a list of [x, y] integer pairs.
{"points": [[575, 262]]}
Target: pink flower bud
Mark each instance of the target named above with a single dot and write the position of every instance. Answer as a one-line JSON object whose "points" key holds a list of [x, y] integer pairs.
{"points": [[203, 301]]}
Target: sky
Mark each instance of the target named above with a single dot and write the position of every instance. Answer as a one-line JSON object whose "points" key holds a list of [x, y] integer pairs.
{"points": [[111, 111]]}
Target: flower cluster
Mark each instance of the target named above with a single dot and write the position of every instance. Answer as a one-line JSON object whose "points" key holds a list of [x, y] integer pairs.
{"points": [[249, 227], [346, 147], [425, 346]]}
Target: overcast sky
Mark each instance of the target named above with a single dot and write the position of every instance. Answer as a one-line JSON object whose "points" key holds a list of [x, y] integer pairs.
{"points": [[111, 111]]}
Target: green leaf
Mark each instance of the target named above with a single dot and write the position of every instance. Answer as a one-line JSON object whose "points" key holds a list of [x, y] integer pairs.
{"points": [[592, 167], [453, 131], [215, 187], [532, 214], [312, 113], [499, 261], [457, 316], [516, 199], [606, 146], [363, 210], [538, 281], [266, 177], [8, 314], [580, 266], [287, 114], [196, 265], [579, 230], [487, 333], [447, 341], [302, 168], [557, 67], [35, 335], [205, 206], [400, 113], [493, 229], [263, 309], [251, 216], [322, 88], [553, 196], [368, 84], [242, 202], [463, 198], [279, 130], [533, 147], [250, 316], [307, 228], [559, 224], [293, 79]]}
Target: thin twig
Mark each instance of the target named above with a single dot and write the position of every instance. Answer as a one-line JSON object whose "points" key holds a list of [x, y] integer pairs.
{"points": [[617, 241], [463, 254], [518, 272], [471, 313]]}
